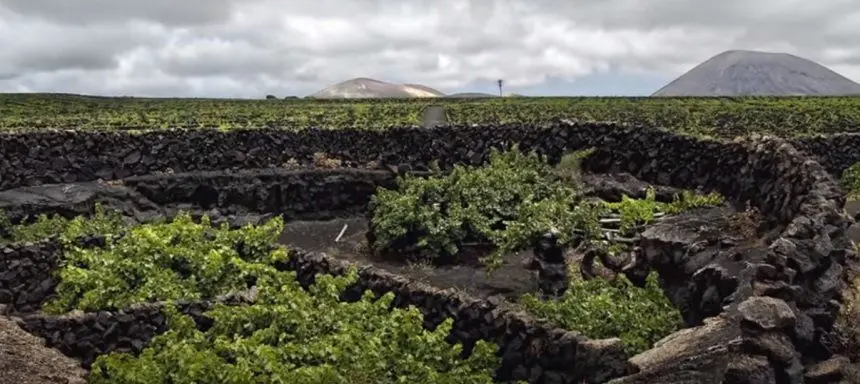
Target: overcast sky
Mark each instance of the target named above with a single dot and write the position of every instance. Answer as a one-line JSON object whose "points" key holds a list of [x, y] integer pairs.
{"points": [[249, 48]]}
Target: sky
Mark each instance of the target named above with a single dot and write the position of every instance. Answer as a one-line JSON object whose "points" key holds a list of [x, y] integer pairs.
{"points": [[251, 48]]}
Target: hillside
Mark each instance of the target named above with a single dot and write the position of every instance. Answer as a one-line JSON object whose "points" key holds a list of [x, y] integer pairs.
{"points": [[361, 88], [754, 73]]}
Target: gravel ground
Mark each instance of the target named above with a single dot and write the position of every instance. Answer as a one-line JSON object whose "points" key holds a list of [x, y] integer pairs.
{"points": [[24, 359]]}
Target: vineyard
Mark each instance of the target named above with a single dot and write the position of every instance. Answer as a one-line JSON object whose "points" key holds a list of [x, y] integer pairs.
{"points": [[526, 243], [724, 117], [188, 260]]}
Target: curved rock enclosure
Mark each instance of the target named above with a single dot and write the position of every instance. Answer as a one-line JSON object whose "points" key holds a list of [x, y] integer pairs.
{"points": [[756, 313]]}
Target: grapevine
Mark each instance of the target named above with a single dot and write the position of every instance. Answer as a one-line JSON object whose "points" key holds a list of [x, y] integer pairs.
{"points": [[180, 260], [601, 308], [509, 203], [293, 336], [851, 181], [103, 222], [288, 335]]}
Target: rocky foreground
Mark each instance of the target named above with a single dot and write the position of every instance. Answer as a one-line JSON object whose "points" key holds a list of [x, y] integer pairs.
{"points": [[24, 359]]}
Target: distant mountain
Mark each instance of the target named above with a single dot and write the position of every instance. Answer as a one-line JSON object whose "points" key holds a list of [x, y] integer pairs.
{"points": [[754, 73], [363, 87], [413, 87]]}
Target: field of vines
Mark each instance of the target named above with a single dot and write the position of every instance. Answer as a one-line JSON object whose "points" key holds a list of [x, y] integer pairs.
{"points": [[717, 117], [291, 333], [294, 335]]}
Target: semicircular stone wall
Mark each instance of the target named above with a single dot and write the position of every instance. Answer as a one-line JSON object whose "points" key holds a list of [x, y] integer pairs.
{"points": [[777, 319], [835, 152]]}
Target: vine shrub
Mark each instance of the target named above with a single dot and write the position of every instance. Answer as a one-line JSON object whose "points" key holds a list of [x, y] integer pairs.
{"points": [[288, 335], [851, 181], [103, 222], [508, 202], [569, 167], [302, 337], [635, 212], [600, 308], [167, 261]]}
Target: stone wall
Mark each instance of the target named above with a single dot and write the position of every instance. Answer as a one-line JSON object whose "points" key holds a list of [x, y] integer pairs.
{"points": [[296, 194], [786, 299], [63, 157], [85, 336], [305, 194], [783, 303], [834, 152], [660, 157], [27, 274], [530, 350]]}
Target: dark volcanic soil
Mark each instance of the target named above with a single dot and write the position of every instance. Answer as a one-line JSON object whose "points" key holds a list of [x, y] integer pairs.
{"points": [[510, 281]]}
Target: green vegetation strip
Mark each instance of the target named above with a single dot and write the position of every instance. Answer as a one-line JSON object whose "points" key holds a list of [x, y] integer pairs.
{"points": [[102, 222], [717, 117]]}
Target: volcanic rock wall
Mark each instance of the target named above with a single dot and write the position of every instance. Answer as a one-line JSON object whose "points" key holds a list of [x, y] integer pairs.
{"points": [[782, 306], [296, 194], [63, 157], [835, 152], [88, 335], [529, 350], [27, 274], [308, 194]]}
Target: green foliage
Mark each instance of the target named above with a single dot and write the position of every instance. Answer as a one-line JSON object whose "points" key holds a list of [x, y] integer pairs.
{"points": [[690, 200], [851, 181], [600, 308], [569, 169], [507, 202], [560, 213], [721, 117], [102, 222], [635, 212], [5, 226], [573, 160], [290, 335], [170, 261], [512, 200]]}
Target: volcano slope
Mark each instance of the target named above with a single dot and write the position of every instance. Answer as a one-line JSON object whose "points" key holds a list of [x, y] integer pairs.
{"points": [[753, 73], [754, 312]]}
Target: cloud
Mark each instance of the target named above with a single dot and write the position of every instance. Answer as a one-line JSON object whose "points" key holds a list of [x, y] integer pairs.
{"points": [[34, 46], [249, 48], [86, 12]]}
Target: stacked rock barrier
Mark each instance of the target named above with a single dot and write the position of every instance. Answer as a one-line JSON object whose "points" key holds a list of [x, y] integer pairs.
{"points": [[27, 274], [529, 349], [777, 308]]}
